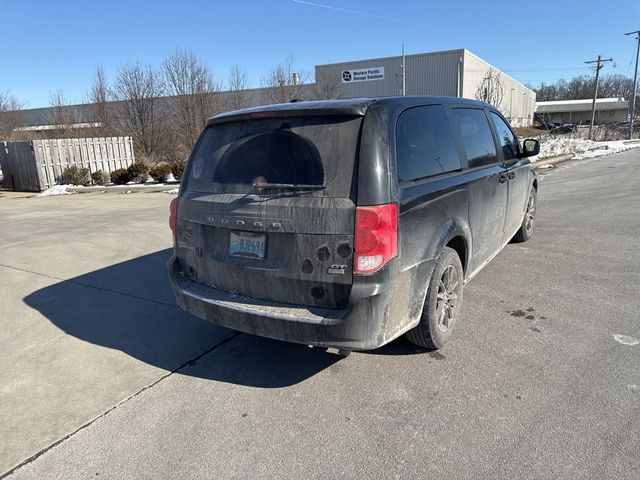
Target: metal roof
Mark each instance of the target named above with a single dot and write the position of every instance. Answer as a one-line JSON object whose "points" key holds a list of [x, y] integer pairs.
{"points": [[583, 105]]}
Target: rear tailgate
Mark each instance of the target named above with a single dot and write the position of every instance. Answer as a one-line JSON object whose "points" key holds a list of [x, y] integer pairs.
{"points": [[285, 245]]}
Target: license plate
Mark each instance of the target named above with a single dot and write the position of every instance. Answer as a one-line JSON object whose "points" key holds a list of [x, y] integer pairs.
{"points": [[244, 244]]}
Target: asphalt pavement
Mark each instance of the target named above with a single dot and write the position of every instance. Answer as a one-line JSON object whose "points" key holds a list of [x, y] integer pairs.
{"points": [[541, 379]]}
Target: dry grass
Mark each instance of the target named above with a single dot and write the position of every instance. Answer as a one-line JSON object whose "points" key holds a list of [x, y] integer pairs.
{"points": [[530, 132]]}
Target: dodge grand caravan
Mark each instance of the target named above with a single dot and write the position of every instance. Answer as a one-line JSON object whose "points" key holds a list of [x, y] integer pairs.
{"points": [[347, 223]]}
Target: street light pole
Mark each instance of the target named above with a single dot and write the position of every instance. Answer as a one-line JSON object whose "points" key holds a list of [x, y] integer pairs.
{"points": [[635, 86]]}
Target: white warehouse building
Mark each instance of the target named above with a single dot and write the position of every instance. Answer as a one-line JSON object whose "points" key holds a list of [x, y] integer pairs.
{"points": [[608, 110], [457, 73]]}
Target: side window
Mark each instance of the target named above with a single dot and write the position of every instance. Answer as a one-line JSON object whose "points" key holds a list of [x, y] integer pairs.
{"points": [[506, 139], [476, 136], [425, 143]]}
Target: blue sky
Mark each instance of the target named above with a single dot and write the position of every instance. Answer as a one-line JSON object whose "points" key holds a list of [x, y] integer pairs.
{"points": [[51, 45]]}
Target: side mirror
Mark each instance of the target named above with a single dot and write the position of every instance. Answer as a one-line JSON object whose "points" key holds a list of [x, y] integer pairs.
{"points": [[530, 147]]}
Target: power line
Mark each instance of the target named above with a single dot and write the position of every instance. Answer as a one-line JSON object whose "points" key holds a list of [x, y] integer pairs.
{"points": [[630, 64], [355, 12], [554, 69]]}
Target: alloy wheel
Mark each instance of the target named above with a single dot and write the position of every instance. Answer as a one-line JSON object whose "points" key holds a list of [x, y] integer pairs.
{"points": [[530, 214], [447, 298]]}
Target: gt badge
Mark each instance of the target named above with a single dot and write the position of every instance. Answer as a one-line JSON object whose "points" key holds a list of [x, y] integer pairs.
{"points": [[336, 269]]}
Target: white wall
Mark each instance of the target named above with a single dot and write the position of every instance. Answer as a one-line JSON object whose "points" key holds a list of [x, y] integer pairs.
{"points": [[518, 102]]}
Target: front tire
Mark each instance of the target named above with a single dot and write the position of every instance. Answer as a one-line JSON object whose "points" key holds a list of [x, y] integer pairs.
{"points": [[442, 303], [525, 232]]}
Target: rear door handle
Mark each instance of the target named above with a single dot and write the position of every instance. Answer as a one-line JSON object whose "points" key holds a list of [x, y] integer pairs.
{"points": [[511, 175], [503, 178]]}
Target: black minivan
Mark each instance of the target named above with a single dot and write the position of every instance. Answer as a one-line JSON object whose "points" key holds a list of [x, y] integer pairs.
{"points": [[347, 223]]}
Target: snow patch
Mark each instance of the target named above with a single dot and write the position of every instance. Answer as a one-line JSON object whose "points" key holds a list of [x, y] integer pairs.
{"points": [[173, 191], [580, 148], [611, 147], [55, 190]]}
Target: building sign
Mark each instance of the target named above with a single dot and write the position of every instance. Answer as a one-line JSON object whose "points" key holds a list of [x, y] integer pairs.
{"points": [[363, 75]]}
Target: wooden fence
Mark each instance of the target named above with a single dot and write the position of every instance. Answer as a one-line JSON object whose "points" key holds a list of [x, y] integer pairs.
{"points": [[38, 164], [19, 167]]}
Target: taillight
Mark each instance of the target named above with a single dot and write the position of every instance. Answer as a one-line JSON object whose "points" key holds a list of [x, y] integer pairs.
{"points": [[376, 241], [173, 215]]}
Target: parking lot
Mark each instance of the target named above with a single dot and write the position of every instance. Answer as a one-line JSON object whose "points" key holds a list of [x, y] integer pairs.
{"points": [[102, 375]]}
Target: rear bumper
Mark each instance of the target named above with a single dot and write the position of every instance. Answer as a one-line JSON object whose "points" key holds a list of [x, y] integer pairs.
{"points": [[368, 322]]}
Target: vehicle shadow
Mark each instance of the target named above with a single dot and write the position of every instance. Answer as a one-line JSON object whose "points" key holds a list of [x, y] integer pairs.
{"points": [[129, 307], [401, 347]]}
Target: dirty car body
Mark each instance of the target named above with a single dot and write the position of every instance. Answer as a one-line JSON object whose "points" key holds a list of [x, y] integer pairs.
{"points": [[311, 223]]}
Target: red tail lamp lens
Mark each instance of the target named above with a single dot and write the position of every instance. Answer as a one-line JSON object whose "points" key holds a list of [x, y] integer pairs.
{"points": [[376, 241]]}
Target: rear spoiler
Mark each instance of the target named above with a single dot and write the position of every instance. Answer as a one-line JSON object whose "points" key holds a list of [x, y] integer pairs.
{"points": [[297, 109]]}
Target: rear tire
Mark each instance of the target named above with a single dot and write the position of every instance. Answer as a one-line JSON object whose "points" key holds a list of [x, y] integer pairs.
{"points": [[525, 232], [442, 303]]}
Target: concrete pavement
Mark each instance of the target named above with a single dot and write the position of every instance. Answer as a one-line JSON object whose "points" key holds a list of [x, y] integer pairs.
{"points": [[86, 318]]}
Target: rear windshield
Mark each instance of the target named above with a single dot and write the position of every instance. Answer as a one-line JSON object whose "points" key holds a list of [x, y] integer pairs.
{"points": [[317, 150]]}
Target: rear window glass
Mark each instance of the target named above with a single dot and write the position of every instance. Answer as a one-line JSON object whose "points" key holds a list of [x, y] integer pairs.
{"points": [[317, 150], [476, 137], [425, 143]]}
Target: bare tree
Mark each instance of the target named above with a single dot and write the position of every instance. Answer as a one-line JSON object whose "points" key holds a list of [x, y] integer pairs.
{"points": [[10, 115], [615, 85], [581, 87], [237, 84], [98, 101], [190, 81], [327, 86], [283, 83], [60, 117], [137, 90], [491, 89]]}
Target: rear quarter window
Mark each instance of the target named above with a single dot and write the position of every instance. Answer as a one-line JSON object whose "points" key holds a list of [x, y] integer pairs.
{"points": [[476, 136], [425, 144]]}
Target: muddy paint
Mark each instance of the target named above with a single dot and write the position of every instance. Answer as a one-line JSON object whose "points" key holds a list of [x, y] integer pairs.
{"points": [[292, 292]]}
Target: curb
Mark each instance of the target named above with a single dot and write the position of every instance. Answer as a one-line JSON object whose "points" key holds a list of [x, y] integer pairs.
{"points": [[553, 160], [125, 188]]}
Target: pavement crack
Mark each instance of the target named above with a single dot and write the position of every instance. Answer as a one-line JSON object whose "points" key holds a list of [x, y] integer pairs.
{"points": [[88, 285], [190, 362]]}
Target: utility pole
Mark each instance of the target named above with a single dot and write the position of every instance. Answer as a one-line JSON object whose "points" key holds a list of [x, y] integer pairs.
{"points": [[404, 73], [635, 86], [599, 64]]}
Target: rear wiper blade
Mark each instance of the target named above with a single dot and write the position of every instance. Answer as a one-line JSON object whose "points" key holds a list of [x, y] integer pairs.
{"points": [[287, 186]]}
